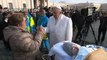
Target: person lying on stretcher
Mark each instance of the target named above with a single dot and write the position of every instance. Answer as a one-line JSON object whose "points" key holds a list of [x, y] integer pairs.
{"points": [[70, 51]]}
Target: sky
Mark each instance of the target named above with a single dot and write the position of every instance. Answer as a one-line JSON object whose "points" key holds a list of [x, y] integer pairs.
{"points": [[80, 1]]}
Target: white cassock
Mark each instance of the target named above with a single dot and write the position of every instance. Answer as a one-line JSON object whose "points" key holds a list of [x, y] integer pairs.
{"points": [[60, 30]]}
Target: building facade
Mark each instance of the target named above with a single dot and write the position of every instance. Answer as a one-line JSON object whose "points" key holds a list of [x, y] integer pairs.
{"points": [[19, 4], [13, 4], [41, 3]]}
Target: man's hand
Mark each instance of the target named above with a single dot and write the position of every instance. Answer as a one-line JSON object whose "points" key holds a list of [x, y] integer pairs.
{"points": [[41, 31]]}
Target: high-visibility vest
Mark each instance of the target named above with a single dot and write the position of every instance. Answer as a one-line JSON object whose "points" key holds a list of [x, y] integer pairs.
{"points": [[30, 24]]}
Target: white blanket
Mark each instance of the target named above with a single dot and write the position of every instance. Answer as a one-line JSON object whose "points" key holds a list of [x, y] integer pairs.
{"points": [[60, 54]]}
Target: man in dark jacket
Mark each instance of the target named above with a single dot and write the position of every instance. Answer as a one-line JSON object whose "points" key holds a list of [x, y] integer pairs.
{"points": [[102, 28]]}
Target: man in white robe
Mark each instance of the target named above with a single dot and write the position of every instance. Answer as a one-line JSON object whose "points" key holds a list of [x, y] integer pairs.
{"points": [[59, 27]]}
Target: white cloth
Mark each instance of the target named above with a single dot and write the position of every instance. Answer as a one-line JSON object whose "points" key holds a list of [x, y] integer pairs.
{"points": [[59, 53], [90, 11], [83, 52], [6, 20], [61, 30]]}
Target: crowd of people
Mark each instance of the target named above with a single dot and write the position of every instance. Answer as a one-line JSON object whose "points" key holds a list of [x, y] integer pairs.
{"points": [[24, 34], [28, 33]]}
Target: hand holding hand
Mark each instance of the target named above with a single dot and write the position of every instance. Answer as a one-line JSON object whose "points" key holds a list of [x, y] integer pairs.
{"points": [[41, 31]]}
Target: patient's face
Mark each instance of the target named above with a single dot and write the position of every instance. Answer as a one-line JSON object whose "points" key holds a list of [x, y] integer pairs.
{"points": [[75, 49]]}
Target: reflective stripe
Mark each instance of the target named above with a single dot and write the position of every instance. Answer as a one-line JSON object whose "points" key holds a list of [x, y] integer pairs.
{"points": [[32, 23], [45, 38], [28, 28]]}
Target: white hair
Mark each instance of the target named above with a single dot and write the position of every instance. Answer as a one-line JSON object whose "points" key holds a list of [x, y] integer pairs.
{"points": [[57, 7]]}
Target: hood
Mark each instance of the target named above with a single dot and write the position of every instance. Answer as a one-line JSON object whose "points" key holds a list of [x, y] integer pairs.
{"points": [[9, 31]]}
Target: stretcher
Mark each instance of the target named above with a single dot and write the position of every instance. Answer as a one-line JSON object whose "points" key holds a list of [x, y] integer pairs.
{"points": [[84, 51]]}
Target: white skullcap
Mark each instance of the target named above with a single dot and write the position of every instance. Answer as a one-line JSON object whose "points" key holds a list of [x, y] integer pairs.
{"points": [[58, 7]]}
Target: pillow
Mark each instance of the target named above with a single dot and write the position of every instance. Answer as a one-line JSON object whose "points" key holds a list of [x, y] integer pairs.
{"points": [[99, 54]]}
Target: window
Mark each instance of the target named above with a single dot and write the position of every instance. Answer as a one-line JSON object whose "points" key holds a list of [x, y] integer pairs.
{"points": [[10, 5], [24, 5]]}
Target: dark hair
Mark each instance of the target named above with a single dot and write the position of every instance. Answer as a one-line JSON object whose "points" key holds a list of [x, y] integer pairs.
{"points": [[0, 6], [5, 13], [41, 9], [15, 19]]}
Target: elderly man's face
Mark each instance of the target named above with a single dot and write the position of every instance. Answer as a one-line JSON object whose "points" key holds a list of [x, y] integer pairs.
{"points": [[56, 12], [25, 13], [42, 12]]}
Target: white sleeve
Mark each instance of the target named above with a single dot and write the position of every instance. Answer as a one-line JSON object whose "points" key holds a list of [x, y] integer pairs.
{"points": [[69, 30], [46, 29]]}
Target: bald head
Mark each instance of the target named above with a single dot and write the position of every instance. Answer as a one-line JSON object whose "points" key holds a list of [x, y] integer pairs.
{"points": [[71, 48]]}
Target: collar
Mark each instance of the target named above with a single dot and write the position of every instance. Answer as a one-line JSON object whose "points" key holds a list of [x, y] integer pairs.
{"points": [[16, 28], [60, 17]]}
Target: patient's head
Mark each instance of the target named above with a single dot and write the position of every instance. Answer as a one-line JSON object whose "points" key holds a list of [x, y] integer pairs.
{"points": [[71, 48]]}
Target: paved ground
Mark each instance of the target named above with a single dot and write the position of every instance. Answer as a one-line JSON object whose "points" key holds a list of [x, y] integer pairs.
{"points": [[5, 55], [90, 37]]}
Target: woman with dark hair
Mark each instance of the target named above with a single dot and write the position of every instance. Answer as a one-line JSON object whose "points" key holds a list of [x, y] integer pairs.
{"points": [[23, 44]]}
